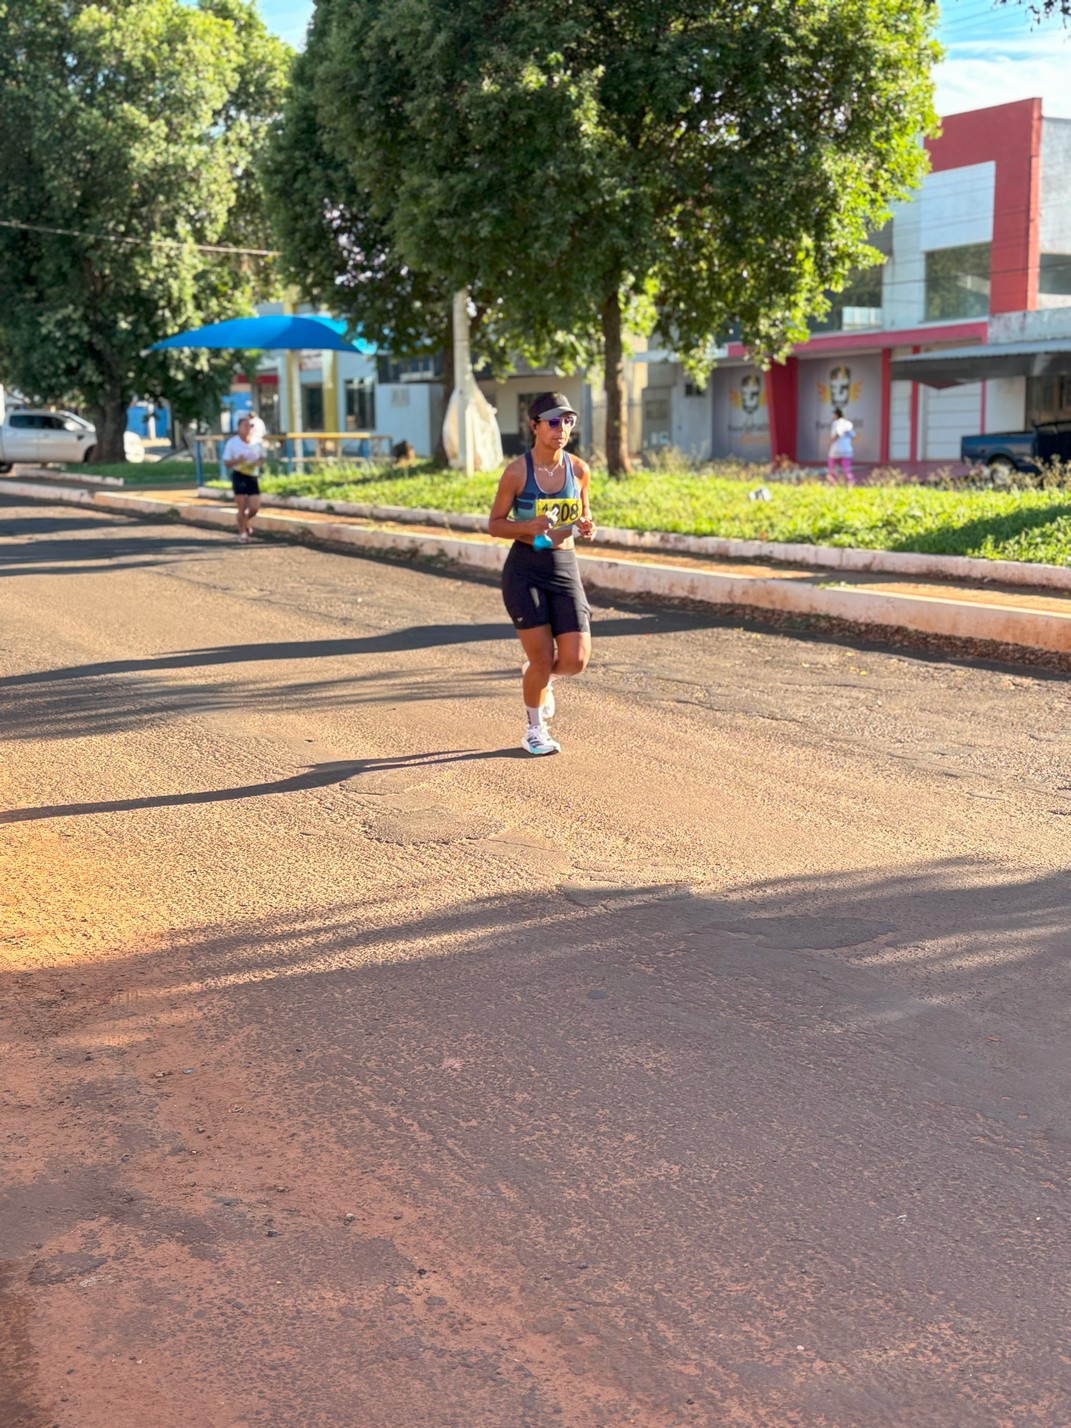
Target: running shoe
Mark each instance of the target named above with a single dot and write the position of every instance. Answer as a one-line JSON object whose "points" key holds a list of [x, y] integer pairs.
{"points": [[538, 740], [549, 706]]}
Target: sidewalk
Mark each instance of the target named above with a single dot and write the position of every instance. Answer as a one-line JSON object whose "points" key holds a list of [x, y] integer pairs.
{"points": [[1023, 611]]}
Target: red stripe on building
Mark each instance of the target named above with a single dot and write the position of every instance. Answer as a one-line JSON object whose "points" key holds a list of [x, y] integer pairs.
{"points": [[1009, 136]]}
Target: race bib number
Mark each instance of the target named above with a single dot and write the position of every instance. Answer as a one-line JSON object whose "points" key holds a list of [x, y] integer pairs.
{"points": [[559, 511]]}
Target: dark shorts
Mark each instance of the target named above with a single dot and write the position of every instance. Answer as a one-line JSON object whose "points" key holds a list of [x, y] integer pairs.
{"points": [[542, 587], [245, 485]]}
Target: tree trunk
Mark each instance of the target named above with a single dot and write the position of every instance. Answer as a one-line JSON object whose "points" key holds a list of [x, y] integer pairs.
{"points": [[441, 458], [109, 417], [617, 458]]}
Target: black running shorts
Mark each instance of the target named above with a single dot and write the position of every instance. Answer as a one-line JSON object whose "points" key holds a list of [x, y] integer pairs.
{"points": [[244, 485], [542, 587]]}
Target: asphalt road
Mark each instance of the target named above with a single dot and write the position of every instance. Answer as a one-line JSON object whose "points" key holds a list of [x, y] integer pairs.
{"points": [[363, 1072]]}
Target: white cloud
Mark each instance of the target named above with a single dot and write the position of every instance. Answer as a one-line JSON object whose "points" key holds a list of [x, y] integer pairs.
{"points": [[979, 74]]}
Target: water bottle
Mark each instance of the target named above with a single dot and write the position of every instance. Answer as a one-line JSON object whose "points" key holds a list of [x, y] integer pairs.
{"points": [[542, 542]]}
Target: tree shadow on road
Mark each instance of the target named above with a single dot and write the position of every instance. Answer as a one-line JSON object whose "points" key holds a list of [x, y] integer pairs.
{"points": [[686, 1131], [316, 776]]}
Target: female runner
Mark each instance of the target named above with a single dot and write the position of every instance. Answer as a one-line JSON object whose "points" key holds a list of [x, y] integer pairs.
{"points": [[542, 499]]}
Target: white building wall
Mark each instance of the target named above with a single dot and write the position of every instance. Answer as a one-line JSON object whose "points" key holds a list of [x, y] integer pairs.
{"points": [[1054, 218], [693, 419], [955, 207], [944, 417], [406, 411], [1005, 404], [903, 297], [900, 421]]}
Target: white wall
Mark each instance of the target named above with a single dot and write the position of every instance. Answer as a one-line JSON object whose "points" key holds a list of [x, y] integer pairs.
{"points": [[944, 417], [956, 207], [1054, 220], [410, 411], [900, 421], [903, 296], [693, 420], [1005, 404]]}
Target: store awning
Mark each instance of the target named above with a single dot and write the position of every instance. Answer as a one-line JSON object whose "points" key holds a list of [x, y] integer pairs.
{"points": [[956, 366]]}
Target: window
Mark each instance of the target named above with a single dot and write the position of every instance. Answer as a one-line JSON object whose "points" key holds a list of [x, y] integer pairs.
{"points": [[312, 408], [957, 282], [24, 421], [857, 306], [410, 369], [360, 405], [1054, 274]]}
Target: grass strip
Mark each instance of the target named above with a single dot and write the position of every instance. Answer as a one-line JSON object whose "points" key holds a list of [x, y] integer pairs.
{"points": [[147, 473], [1028, 525]]}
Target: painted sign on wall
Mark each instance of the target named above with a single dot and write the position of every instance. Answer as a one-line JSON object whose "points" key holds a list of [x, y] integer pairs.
{"points": [[851, 383], [741, 417]]}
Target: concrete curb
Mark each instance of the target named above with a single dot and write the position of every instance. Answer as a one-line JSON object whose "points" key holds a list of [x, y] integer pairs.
{"points": [[825, 557], [986, 621]]}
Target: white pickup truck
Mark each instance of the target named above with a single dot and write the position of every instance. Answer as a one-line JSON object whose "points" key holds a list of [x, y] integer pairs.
{"points": [[32, 436]]}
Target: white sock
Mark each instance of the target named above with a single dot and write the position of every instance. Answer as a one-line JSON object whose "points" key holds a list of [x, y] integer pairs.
{"points": [[535, 717]]}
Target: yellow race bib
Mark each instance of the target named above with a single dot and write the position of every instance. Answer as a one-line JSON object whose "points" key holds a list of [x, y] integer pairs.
{"points": [[559, 510]]}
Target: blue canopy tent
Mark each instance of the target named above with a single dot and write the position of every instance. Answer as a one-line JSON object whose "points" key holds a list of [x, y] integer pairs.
{"points": [[282, 332], [278, 332]]}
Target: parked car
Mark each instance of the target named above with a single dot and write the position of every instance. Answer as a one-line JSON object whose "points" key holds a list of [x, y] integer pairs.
{"points": [[1006, 451], [34, 437]]}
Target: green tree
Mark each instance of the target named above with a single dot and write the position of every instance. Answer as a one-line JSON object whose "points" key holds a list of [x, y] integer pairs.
{"points": [[656, 166], [135, 129]]}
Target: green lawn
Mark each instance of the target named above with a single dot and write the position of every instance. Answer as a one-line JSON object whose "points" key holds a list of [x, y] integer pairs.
{"points": [[1032, 525], [140, 473]]}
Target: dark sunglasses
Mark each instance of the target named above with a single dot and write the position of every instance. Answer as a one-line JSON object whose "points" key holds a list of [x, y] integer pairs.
{"points": [[555, 422]]}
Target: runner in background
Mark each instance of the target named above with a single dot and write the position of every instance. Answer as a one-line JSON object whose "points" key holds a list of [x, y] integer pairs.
{"points": [[841, 437], [543, 498], [243, 458]]}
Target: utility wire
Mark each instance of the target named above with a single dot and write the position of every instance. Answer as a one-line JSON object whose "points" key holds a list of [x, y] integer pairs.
{"points": [[140, 242]]}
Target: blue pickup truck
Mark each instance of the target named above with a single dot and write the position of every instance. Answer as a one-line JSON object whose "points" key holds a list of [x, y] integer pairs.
{"points": [[1018, 450]]}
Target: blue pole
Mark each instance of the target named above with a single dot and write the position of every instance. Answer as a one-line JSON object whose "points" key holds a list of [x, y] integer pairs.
{"points": [[197, 461]]}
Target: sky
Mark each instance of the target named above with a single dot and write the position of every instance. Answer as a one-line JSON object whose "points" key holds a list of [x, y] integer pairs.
{"points": [[994, 53]]}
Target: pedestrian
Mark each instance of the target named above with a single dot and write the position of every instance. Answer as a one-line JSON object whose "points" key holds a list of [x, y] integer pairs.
{"points": [[243, 458], [841, 437], [543, 500]]}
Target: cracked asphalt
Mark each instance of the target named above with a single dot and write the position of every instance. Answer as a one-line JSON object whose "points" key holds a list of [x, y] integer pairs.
{"points": [[360, 1071]]}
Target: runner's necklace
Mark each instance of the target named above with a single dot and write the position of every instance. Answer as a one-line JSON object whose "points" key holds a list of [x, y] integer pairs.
{"points": [[548, 471]]}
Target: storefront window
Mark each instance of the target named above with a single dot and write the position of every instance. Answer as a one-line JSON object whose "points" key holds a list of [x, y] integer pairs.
{"points": [[857, 307], [1054, 274], [360, 405], [957, 282], [312, 408]]}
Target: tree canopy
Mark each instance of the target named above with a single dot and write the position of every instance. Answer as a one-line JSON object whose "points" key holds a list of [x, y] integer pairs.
{"points": [[664, 166], [134, 130]]}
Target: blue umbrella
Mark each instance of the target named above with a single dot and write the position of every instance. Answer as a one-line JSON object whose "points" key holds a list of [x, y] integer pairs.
{"points": [[282, 332]]}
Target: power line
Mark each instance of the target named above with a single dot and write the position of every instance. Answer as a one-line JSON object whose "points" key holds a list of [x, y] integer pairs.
{"points": [[139, 242]]}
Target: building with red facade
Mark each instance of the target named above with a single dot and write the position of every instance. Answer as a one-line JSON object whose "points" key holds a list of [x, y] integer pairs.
{"points": [[978, 268]]}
